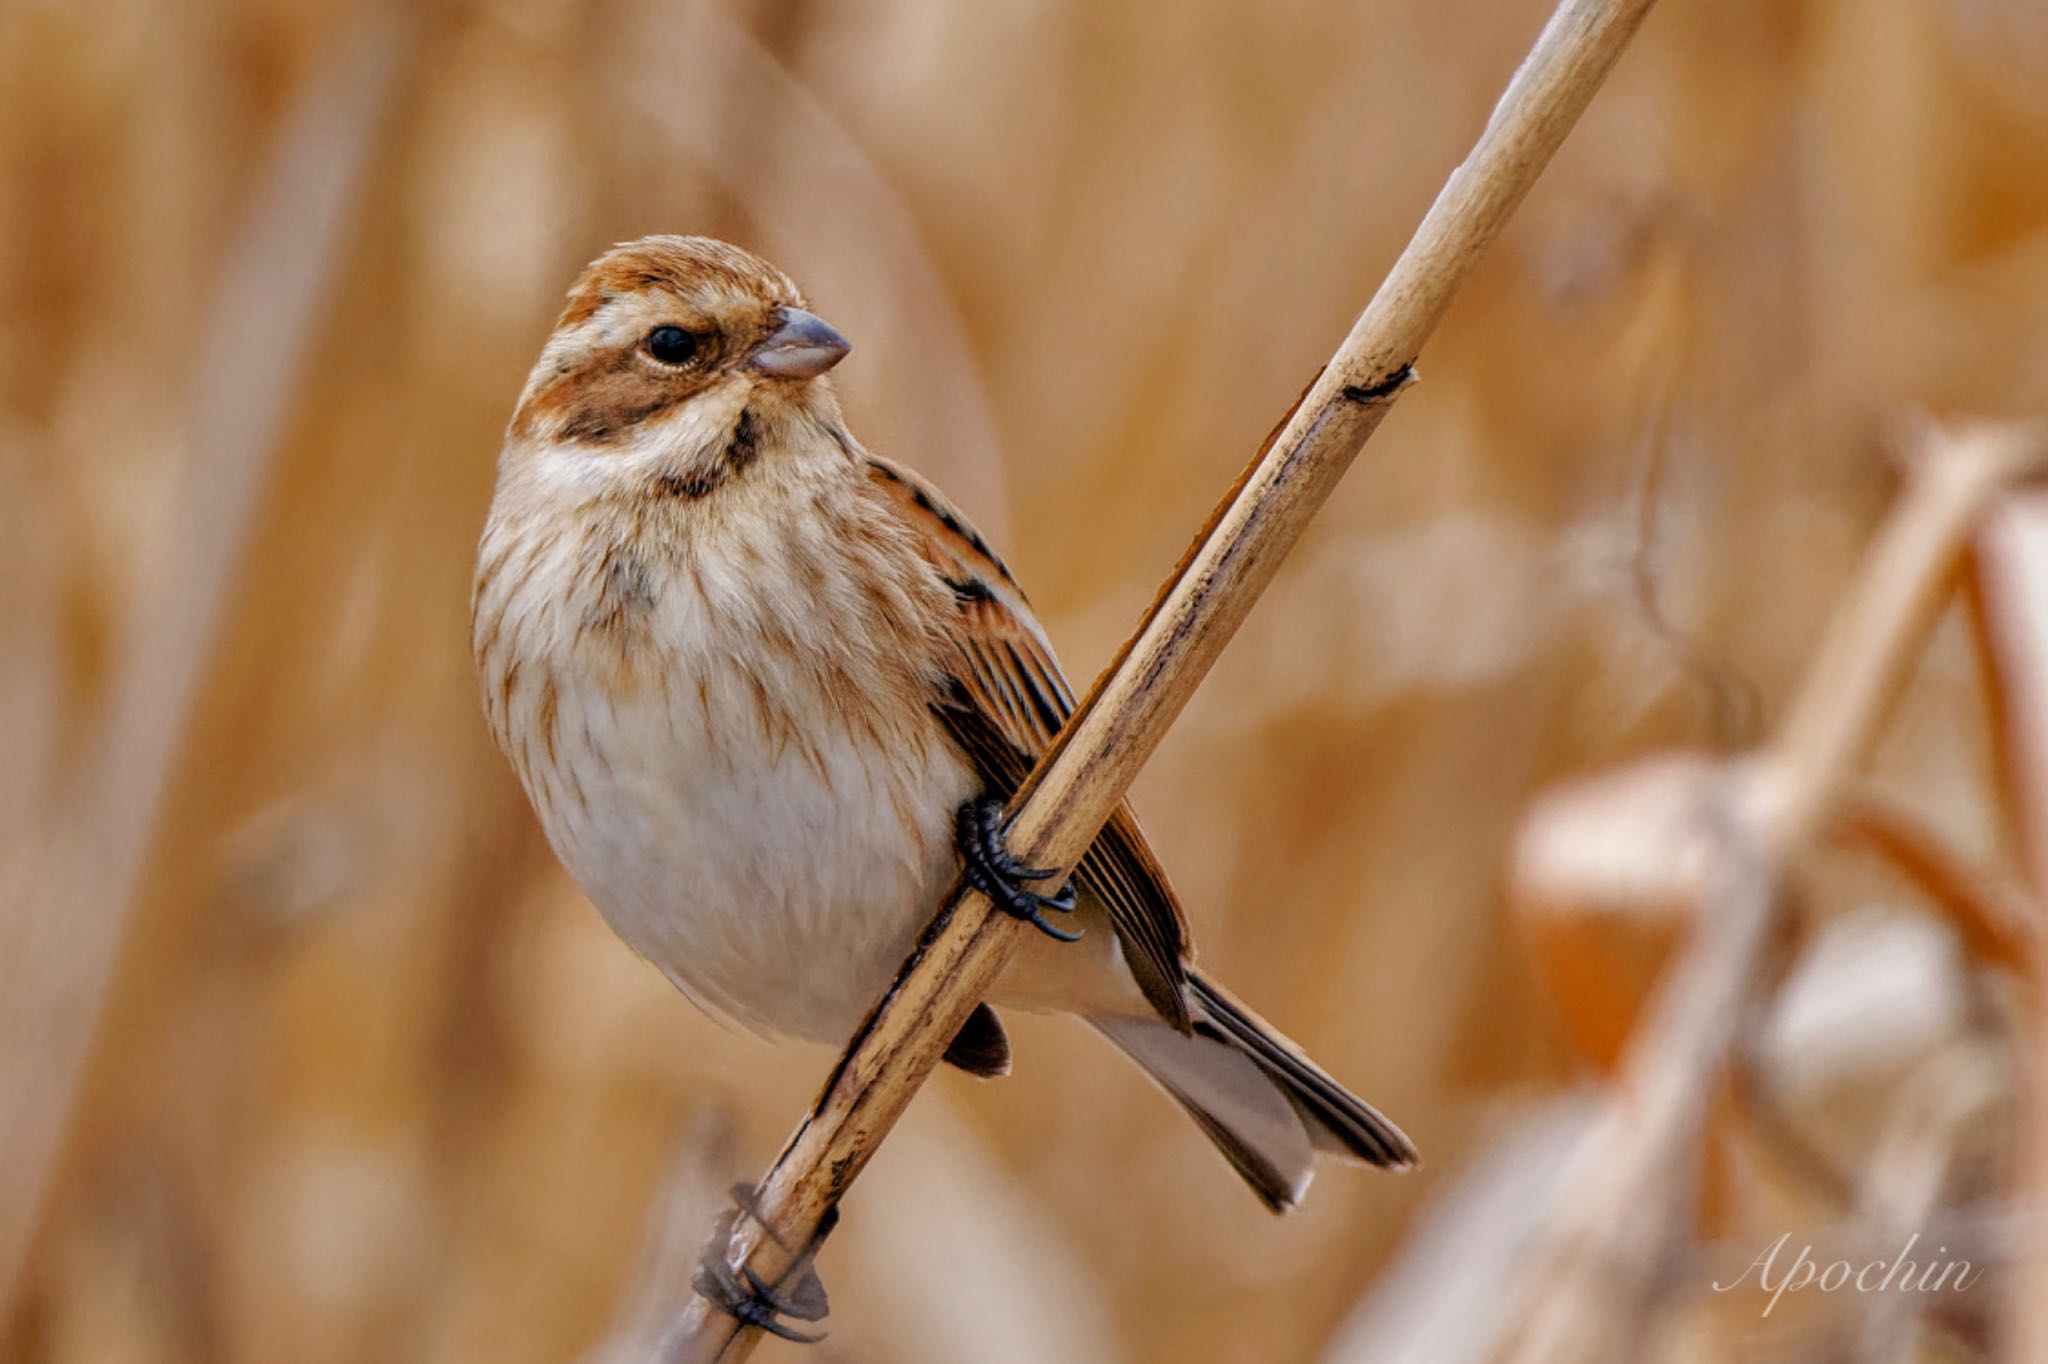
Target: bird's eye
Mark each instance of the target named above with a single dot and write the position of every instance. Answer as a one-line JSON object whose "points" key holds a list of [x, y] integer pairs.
{"points": [[671, 345]]}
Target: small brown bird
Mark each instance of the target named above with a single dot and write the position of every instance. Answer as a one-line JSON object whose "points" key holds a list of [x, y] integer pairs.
{"points": [[768, 691]]}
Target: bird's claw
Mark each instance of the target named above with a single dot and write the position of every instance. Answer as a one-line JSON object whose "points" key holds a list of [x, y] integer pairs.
{"points": [[993, 870], [748, 1298]]}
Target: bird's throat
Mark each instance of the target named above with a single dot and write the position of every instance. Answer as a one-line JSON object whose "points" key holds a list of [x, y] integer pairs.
{"points": [[704, 477]]}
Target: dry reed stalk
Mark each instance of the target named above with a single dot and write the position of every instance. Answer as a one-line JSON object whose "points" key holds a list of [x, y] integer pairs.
{"points": [[1080, 780], [2009, 569], [1994, 918], [64, 932], [1941, 1104], [1594, 1278]]}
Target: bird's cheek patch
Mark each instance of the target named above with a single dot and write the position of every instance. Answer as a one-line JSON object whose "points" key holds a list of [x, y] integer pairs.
{"points": [[605, 400]]}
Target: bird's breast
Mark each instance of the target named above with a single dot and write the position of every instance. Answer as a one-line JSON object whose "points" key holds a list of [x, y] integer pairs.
{"points": [[729, 746]]}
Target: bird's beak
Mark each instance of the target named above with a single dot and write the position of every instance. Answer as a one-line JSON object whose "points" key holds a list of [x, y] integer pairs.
{"points": [[802, 346]]}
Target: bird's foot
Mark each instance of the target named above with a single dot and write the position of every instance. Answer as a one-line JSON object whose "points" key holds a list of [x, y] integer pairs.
{"points": [[990, 869], [747, 1297]]}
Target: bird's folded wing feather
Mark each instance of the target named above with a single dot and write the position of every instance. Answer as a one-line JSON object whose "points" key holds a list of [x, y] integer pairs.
{"points": [[1006, 700]]}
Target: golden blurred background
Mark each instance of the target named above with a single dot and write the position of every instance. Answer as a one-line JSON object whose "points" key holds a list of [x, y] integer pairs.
{"points": [[309, 1050]]}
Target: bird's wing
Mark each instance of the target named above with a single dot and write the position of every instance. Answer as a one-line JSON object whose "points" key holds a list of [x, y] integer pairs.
{"points": [[1006, 700]]}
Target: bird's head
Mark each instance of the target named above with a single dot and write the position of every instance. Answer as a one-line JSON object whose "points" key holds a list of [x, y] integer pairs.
{"points": [[670, 351]]}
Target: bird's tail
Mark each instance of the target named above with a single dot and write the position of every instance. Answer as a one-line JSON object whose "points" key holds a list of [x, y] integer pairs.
{"points": [[1267, 1107]]}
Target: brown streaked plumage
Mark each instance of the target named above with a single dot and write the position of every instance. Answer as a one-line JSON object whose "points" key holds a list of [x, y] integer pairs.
{"points": [[748, 673]]}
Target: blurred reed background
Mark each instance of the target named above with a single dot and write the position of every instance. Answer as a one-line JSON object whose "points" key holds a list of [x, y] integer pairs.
{"points": [[309, 1051]]}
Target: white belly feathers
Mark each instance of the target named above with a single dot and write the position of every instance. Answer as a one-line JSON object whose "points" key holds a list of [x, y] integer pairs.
{"points": [[776, 886]]}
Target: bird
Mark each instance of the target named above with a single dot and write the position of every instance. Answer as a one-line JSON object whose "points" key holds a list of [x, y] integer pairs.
{"points": [[768, 693]]}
